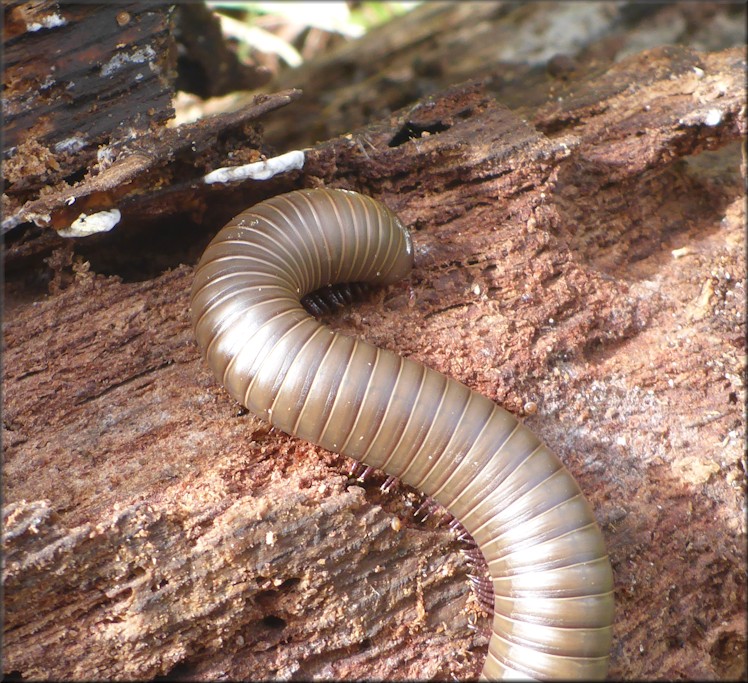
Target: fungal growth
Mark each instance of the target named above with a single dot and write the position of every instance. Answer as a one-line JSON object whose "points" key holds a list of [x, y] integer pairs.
{"points": [[551, 577]]}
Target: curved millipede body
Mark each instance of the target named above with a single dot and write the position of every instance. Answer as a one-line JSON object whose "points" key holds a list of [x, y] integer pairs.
{"points": [[552, 580]]}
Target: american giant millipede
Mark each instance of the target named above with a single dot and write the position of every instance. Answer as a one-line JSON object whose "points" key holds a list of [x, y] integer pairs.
{"points": [[552, 580]]}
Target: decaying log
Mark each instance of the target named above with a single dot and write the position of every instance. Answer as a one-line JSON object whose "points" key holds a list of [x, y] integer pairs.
{"points": [[523, 53], [585, 269], [207, 67], [88, 91], [75, 80]]}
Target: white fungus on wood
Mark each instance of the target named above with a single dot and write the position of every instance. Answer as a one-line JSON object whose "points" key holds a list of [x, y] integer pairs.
{"points": [[86, 225], [258, 170]]}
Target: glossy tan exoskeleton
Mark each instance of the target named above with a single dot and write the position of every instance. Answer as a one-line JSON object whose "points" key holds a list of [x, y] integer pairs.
{"points": [[552, 581]]}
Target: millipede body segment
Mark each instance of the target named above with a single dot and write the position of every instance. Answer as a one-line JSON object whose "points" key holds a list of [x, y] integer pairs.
{"points": [[551, 577]]}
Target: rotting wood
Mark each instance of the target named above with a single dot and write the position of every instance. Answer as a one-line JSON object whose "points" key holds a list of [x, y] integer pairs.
{"points": [[150, 519], [207, 67], [523, 52], [77, 77], [84, 125], [131, 183]]}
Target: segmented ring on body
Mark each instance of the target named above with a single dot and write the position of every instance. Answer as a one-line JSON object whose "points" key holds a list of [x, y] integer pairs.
{"points": [[546, 557]]}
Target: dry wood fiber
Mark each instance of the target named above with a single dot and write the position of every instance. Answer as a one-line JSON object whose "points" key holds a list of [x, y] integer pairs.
{"points": [[552, 580]]}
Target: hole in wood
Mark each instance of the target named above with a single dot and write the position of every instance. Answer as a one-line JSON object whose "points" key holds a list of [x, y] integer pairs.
{"points": [[271, 621], [413, 131]]}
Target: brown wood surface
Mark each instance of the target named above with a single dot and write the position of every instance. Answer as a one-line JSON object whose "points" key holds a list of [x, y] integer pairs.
{"points": [[78, 78], [582, 262]]}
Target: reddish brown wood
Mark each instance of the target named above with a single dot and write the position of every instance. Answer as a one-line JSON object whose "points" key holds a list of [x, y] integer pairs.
{"points": [[593, 266]]}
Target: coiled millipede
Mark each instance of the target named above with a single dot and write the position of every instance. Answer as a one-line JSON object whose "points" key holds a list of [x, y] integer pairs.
{"points": [[552, 580]]}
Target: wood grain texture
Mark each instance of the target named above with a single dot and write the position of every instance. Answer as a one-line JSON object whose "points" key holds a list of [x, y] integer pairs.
{"points": [[604, 282]]}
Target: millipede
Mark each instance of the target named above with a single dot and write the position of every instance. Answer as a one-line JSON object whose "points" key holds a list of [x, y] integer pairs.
{"points": [[547, 562]]}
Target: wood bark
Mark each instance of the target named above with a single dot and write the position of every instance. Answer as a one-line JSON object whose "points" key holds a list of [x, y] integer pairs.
{"points": [[582, 262]]}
